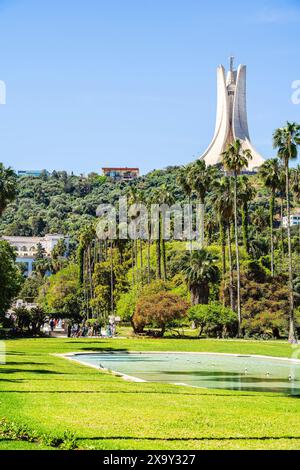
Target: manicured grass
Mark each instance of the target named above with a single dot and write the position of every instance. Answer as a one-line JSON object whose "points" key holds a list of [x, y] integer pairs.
{"points": [[51, 395]]}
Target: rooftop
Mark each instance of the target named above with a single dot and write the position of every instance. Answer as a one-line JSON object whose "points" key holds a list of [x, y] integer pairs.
{"points": [[120, 168]]}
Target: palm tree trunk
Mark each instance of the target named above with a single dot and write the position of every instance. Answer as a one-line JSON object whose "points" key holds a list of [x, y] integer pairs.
{"points": [[85, 287], [163, 248], [281, 232], [90, 276], [190, 222], [132, 262], [164, 259], [142, 264], [202, 215], [223, 251], [272, 202], [223, 246], [136, 259], [238, 275], [148, 258], [292, 333], [158, 251], [111, 279], [245, 226], [230, 269]]}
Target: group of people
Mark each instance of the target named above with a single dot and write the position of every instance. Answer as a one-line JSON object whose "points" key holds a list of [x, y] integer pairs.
{"points": [[54, 323], [76, 330]]}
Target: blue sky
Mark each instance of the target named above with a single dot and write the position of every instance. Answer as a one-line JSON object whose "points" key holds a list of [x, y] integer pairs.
{"points": [[133, 83]]}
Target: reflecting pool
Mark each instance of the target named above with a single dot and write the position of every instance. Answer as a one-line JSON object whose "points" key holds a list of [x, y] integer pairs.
{"points": [[218, 371]]}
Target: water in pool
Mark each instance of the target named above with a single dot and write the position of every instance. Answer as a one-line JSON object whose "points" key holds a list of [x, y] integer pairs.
{"points": [[203, 370]]}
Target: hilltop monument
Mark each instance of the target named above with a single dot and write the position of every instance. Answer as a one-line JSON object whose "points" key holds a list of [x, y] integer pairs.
{"points": [[231, 121]]}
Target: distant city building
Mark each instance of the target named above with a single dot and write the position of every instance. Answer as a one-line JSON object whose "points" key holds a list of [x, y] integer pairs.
{"points": [[30, 172], [121, 174], [294, 220], [26, 247]]}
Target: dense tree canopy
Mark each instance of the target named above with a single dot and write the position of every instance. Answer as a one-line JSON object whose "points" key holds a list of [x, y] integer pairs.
{"points": [[10, 277]]}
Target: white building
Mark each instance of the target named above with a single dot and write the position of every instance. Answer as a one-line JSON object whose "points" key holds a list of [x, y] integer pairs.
{"points": [[26, 247], [294, 220], [231, 120]]}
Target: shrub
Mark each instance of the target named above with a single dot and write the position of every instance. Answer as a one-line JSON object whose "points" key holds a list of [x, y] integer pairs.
{"points": [[126, 304], [214, 319], [160, 310], [23, 318], [265, 325]]}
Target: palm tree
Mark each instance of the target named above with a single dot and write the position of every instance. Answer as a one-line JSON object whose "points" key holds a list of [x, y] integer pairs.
{"points": [[86, 239], [281, 193], [222, 200], [286, 140], [235, 159], [246, 194], [295, 181], [200, 179], [295, 185], [211, 226], [8, 187], [133, 198], [155, 199], [167, 198], [200, 270], [183, 179], [270, 175]]}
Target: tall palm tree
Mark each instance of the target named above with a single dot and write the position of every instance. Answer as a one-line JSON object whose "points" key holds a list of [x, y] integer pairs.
{"points": [[183, 179], [270, 175], [295, 185], [86, 240], [286, 140], [222, 200], [155, 199], [133, 198], [167, 198], [200, 270], [8, 187], [234, 160], [260, 219], [246, 193], [281, 193], [201, 178], [211, 226], [295, 181]]}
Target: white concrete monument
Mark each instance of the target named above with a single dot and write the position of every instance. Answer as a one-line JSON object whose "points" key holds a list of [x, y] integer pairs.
{"points": [[231, 121]]}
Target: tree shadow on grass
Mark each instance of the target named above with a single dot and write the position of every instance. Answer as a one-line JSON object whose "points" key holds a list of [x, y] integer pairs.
{"points": [[11, 380], [21, 363], [8, 353], [102, 348], [192, 438], [31, 371]]}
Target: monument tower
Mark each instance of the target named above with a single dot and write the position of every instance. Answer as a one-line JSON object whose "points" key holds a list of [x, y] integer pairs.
{"points": [[231, 121]]}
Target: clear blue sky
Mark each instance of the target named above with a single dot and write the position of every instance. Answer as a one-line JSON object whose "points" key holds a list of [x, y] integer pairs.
{"points": [[132, 82]]}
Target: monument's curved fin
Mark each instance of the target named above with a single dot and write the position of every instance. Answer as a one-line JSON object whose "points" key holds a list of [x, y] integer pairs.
{"points": [[240, 121], [257, 159], [214, 150]]}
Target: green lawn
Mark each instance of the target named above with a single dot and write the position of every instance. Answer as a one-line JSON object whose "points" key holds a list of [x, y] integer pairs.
{"points": [[51, 395]]}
